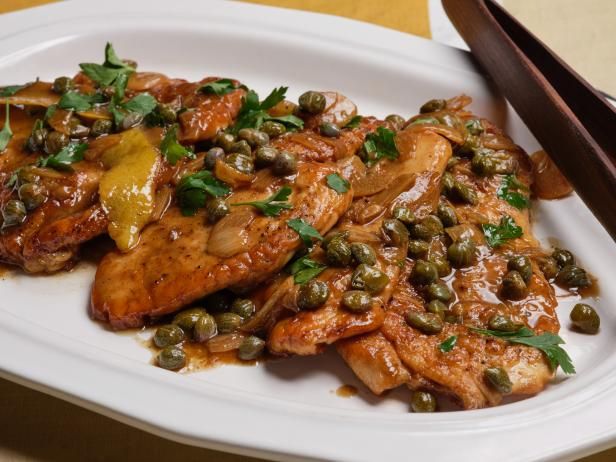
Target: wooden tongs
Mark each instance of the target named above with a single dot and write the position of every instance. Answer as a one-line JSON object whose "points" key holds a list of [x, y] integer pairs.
{"points": [[570, 119]]}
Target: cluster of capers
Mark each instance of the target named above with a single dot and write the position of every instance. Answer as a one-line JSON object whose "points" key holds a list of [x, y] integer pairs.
{"points": [[457, 191], [487, 162], [514, 285], [31, 194], [561, 267], [197, 325]]}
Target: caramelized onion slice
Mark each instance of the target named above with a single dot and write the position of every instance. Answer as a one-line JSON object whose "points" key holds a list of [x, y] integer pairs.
{"points": [[225, 342], [230, 235]]}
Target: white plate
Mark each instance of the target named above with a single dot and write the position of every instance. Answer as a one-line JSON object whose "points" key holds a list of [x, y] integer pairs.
{"points": [[288, 408]]}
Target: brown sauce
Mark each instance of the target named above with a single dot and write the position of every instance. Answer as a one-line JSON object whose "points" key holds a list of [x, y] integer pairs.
{"points": [[549, 182], [5, 271], [346, 391]]}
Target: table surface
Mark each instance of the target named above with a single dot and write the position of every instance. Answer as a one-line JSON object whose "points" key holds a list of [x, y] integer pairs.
{"points": [[36, 427]]}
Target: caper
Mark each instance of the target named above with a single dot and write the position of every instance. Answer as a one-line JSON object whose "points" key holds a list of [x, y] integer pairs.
{"points": [[522, 265], [170, 334], [218, 301], [27, 175], [172, 358], [418, 248], [55, 141], [251, 348], [212, 155], [76, 129], [363, 253], [463, 193], [461, 253], [470, 145], [13, 213], [32, 195], [452, 162], [241, 147], [447, 215], [216, 208], [563, 257], [186, 319], [439, 291], [548, 266], [437, 307], [426, 323], [427, 228], [433, 105], [101, 127], [422, 401], [63, 84], [487, 163], [339, 252], [369, 278], [36, 140], [224, 140], [513, 286], [442, 265], [483, 165], [130, 120], [167, 114], [205, 328], [424, 272], [397, 121], [273, 128], [240, 162], [253, 137], [474, 126], [404, 214], [312, 102], [447, 183], [312, 295], [573, 276], [498, 379], [244, 307], [265, 155], [329, 130], [503, 323], [228, 322], [396, 231], [585, 318], [357, 301], [284, 164], [453, 318]]}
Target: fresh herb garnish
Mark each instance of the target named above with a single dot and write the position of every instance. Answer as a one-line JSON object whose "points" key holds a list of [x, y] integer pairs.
{"points": [[113, 61], [63, 159], [219, 87], [381, 144], [51, 110], [337, 183], [171, 149], [12, 181], [547, 342], [447, 345], [497, 235], [509, 192], [143, 104], [193, 190], [305, 268], [354, 122], [75, 101], [254, 113], [273, 205], [105, 74], [306, 232], [11, 90], [6, 133]]}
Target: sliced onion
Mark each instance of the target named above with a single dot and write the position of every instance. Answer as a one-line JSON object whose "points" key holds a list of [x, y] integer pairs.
{"points": [[225, 342], [224, 172], [497, 142], [270, 312], [549, 183], [230, 235]]}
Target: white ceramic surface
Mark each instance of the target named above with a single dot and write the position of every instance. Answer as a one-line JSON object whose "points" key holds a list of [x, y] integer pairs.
{"points": [[288, 409]]}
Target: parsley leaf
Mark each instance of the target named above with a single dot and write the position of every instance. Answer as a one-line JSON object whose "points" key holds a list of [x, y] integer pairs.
{"points": [[305, 231], [113, 61], [381, 144], [171, 149], [218, 87], [63, 159], [193, 190], [447, 345], [305, 268], [143, 104], [51, 110], [508, 191], [75, 101], [354, 122], [273, 205], [337, 183], [12, 181], [496, 235], [254, 113], [547, 342], [11, 90], [105, 74], [6, 133]]}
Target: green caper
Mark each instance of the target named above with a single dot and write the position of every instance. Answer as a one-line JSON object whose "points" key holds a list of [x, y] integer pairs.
{"points": [[130, 120], [427, 228], [442, 264], [369, 278], [433, 105], [357, 301], [447, 215], [447, 183], [422, 401], [339, 252], [363, 253], [486, 162], [224, 140], [212, 155], [228, 322], [172, 358], [474, 126], [483, 165], [251, 348], [62, 84], [329, 130], [426, 323], [452, 162], [55, 141], [463, 193], [32, 195], [437, 307], [241, 147], [218, 301], [424, 272], [27, 175], [36, 140], [453, 318], [522, 265], [265, 155], [397, 121], [244, 307], [76, 129], [312, 295], [563, 257], [503, 323], [312, 102], [170, 334], [13, 213], [216, 208], [470, 145], [186, 319], [438, 291], [404, 214], [573, 276], [548, 266], [461, 253], [418, 248], [240, 162], [396, 231], [498, 379], [513, 286], [205, 328], [585, 318], [284, 164], [253, 137], [101, 127], [167, 114], [273, 128]]}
